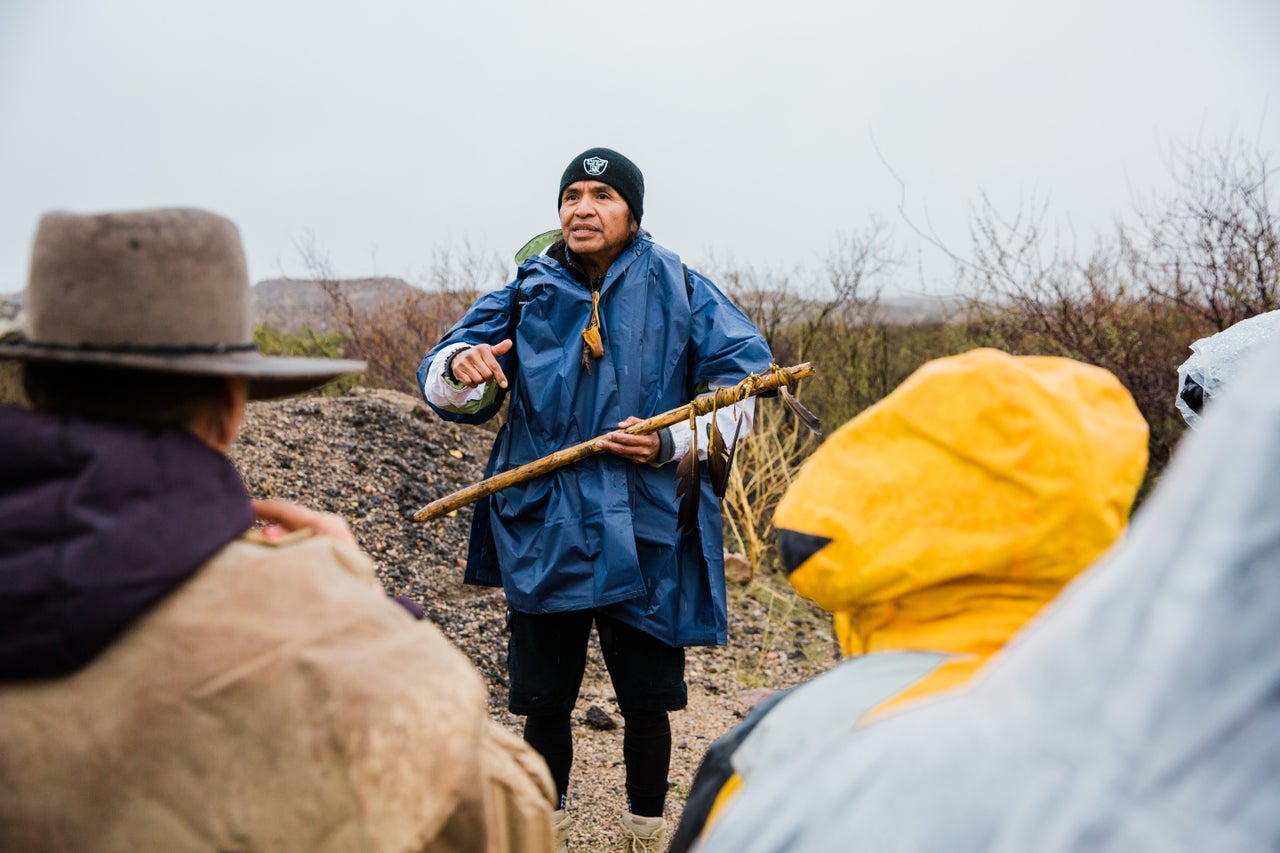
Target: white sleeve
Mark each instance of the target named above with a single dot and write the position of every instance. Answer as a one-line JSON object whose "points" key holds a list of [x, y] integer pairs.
{"points": [[727, 420], [440, 391]]}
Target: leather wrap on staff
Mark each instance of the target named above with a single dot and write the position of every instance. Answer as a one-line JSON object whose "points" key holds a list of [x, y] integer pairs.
{"points": [[756, 383]]}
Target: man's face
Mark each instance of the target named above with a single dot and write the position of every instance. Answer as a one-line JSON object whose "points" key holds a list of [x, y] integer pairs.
{"points": [[595, 222]]}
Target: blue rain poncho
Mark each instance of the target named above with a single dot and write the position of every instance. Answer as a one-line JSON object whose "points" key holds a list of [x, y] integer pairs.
{"points": [[602, 533]]}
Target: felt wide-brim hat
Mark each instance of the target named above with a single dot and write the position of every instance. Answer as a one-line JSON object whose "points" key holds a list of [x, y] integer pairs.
{"points": [[159, 290]]}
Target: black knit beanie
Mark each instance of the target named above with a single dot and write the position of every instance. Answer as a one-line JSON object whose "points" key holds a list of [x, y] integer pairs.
{"points": [[608, 167]]}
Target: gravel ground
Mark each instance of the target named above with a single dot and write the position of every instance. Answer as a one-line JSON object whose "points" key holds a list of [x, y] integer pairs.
{"points": [[379, 455]]}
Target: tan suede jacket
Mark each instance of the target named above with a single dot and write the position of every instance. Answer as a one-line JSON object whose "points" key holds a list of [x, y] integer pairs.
{"points": [[277, 701]]}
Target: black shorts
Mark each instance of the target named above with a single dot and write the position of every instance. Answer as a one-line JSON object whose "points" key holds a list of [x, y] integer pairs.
{"points": [[547, 655]]}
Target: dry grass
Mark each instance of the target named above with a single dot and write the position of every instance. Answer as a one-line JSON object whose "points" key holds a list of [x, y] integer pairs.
{"points": [[764, 466]]}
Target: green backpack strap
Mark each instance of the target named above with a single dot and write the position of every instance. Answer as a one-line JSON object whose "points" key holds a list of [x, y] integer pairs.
{"points": [[537, 245]]}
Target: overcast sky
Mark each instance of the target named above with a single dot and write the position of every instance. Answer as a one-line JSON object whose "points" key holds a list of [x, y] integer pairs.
{"points": [[385, 130]]}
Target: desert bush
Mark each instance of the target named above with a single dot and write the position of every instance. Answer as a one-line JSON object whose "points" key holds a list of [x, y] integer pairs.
{"points": [[1213, 248], [834, 319], [308, 344], [830, 318], [1027, 301], [1198, 262], [1203, 260], [393, 338]]}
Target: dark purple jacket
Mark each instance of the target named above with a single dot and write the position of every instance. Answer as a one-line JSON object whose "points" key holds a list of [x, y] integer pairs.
{"points": [[98, 522]]}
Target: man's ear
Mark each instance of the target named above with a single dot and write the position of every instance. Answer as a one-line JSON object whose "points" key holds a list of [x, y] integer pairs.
{"points": [[635, 226]]}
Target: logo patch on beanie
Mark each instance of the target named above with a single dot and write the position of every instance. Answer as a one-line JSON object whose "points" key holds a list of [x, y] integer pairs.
{"points": [[595, 166]]}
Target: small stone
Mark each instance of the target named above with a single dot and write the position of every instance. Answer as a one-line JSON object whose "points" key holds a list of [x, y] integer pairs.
{"points": [[599, 719], [737, 568]]}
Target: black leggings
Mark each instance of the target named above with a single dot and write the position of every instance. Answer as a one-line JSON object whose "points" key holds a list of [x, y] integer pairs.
{"points": [[646, 752]]}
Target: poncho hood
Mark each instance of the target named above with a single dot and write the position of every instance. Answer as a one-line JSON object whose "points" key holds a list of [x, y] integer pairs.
{"points": [[947, 514], [98, 522]]}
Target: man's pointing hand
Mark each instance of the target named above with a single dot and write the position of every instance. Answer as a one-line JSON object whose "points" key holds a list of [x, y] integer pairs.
{"points": [[479, 364]]}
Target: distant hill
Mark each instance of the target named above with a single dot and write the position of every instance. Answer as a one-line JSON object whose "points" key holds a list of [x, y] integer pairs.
{"points": [[286, 304], [289, 304], [920, 309]]}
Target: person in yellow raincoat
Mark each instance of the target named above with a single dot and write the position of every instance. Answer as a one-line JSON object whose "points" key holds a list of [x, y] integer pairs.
{"points": [[933, 526]]}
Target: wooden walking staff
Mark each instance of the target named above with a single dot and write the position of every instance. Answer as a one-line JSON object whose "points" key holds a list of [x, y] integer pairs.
{"points": [[756, 383]]}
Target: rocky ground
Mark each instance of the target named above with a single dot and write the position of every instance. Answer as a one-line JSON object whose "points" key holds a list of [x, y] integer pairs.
{"points": [[378, 456]]}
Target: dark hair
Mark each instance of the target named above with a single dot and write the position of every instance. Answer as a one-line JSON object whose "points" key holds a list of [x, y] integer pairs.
{"points": [[120, 394]]}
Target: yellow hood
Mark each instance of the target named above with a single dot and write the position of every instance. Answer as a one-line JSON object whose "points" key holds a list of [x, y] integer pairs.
{"points": [[947, 514]]}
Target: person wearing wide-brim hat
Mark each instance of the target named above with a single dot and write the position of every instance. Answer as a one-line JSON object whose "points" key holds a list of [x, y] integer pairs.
{"points": [[171, 678]]}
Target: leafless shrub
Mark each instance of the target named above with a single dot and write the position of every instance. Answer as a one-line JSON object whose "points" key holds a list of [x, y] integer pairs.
{"points": [[393, 338], [1214, 248], [771, 299], [1027, 296], [830, 320]]}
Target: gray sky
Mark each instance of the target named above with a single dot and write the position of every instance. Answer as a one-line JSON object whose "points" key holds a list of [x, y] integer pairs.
{"points": [[387, 130]]}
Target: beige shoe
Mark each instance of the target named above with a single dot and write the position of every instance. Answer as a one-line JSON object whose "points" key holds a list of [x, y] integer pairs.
{"points": [[560, 825], [642, 834]]}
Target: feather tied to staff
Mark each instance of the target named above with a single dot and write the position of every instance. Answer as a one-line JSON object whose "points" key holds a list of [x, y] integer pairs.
{"points": [[775, 379]]}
